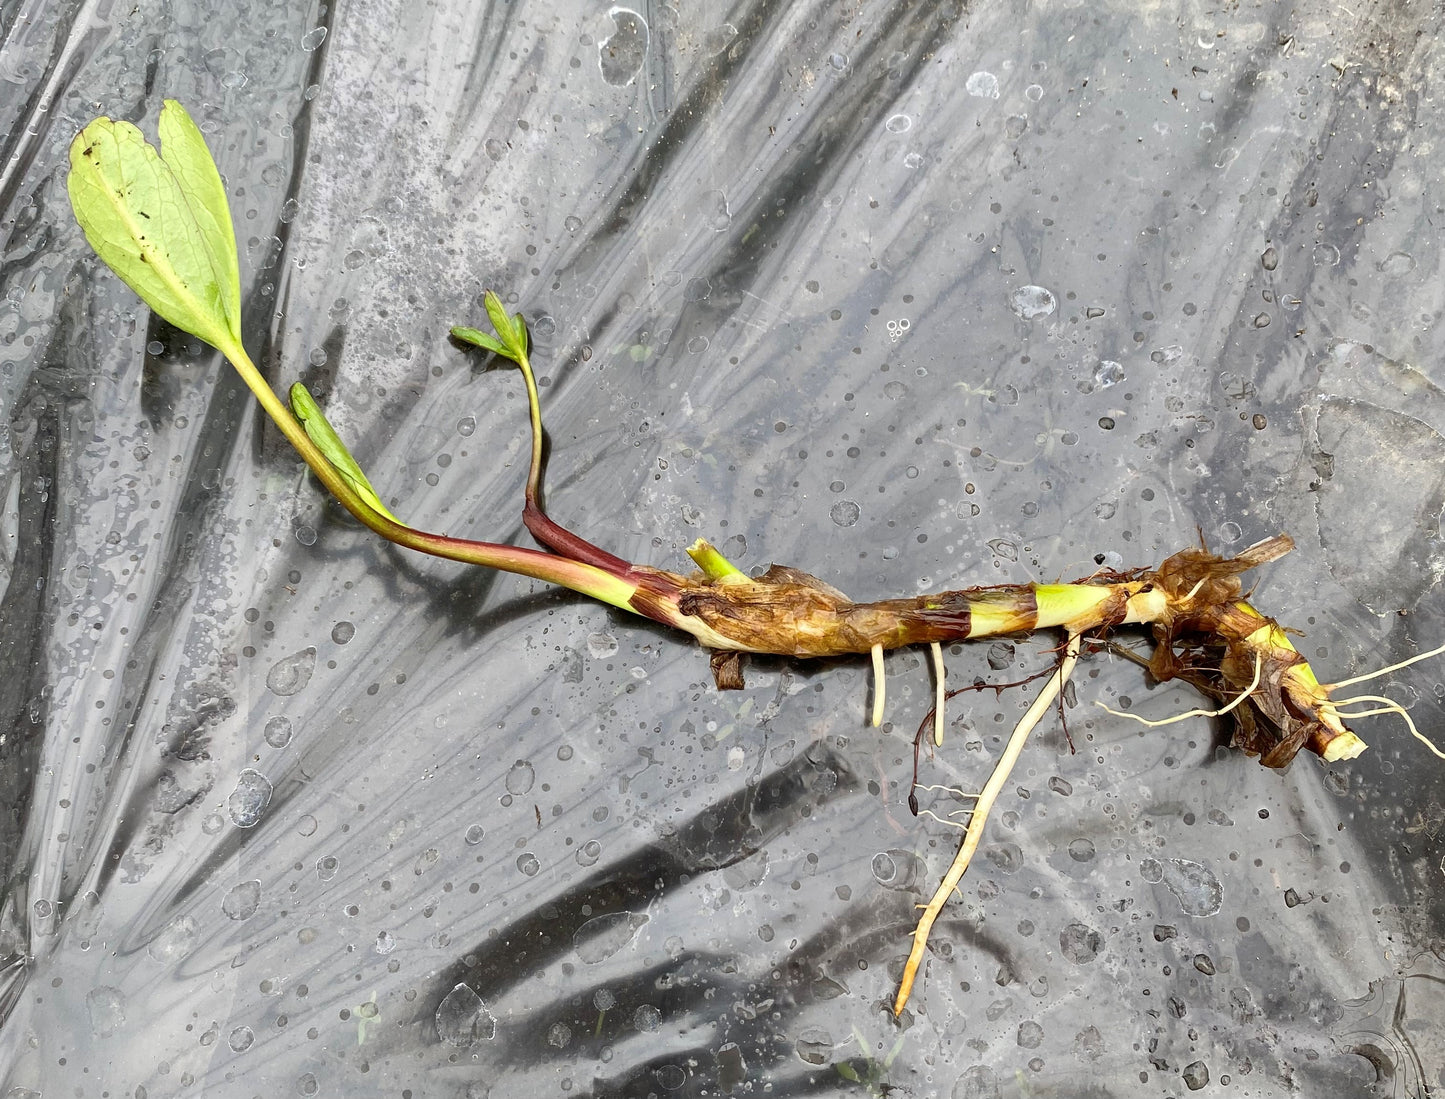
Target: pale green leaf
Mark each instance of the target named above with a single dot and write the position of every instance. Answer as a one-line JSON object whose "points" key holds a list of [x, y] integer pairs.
{"points": [[320, 431], [184, 151], [141, 220], [480, 339], [512, 331], [497, 314]]}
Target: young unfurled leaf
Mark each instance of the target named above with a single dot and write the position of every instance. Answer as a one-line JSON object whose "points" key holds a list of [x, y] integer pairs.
{"points": [[512, 331], [320, 431], [160, 221], [481, 339]]}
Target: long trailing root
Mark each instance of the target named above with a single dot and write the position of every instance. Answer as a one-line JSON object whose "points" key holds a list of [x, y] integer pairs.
{"points": [[1387, 706], [979, 820], [1187, 714]]}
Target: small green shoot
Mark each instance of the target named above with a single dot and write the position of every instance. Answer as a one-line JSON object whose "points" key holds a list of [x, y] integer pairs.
{"points": [[319, 429], [160, 221], [510, 342], [713, 564]]}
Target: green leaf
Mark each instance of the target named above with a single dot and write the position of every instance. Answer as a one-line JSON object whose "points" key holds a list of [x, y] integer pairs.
{"points": [[320, 431], [185, 152], [480, 339], [512, 331], [161, 223]]}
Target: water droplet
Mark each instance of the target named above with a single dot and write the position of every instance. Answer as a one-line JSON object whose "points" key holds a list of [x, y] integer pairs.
{"points": [[155, 347], [589, 853], [1326, 255], [241, 901], [1081, 850], [982, 84], [1031, 302], [1397, 264], [1195, 1075], [1003, 548], [474, 835], [898, 124], [603, 936], [326, 867], [1106, 422], [814, 1046], [466, 425], [838, 61], [306, 535], [1269, 259], [385, 942], [601, 645], [291, 673], [621, 54], [721, 216], [844, 513], [1261, 320], [1001, 655], [289, 209], [521, 777], [241, 1039], [353, 259], [646, 1018], [463, 1018], [527, 863], [313, 38], [697, 345], [1229, 533], [572, 223], [897, 869], [1080, 944], [106, 1005], [1108, 373], [1034, 92], [343, 632], [1193, 884], [249, 799]]}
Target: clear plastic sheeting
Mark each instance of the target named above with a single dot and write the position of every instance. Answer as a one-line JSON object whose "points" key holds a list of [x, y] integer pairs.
{"points": [[909, 295]]}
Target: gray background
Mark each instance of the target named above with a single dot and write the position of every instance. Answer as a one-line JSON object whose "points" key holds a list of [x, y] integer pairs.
{"points": [[290, 812]]}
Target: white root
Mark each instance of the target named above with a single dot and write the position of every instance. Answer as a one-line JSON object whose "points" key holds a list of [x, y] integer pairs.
{"points": [[879, 685], [939, 697], [1191, 713], [948, 820], [1387, 706], [979, 820], [1384, 671]]}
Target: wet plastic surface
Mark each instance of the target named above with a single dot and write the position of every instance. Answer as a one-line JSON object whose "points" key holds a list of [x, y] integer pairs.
{"points": [[910, 296]]}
